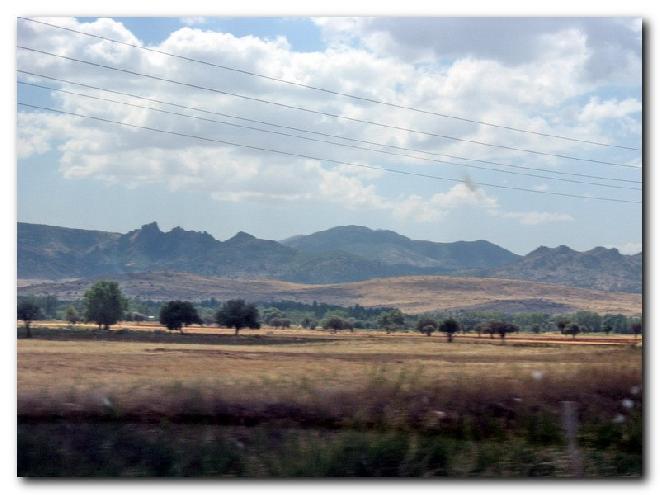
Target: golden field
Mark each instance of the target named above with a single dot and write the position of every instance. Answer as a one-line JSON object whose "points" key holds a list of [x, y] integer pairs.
{"points": [[144, 356], [415, 294]]}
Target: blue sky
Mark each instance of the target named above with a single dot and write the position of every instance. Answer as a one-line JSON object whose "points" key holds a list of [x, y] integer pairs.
{"points": [[574, 77]]}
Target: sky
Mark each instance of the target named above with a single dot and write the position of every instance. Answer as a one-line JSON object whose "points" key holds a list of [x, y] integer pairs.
{"points": [[386, 167]]}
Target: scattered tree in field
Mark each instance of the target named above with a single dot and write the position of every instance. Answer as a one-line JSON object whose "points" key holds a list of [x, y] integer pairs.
{"points": [[28, 311], [562, 324], [607, 328], [270, 314], [449, 327], [72, 315], [617, 322], [104, 303], [483, 327], [280, 323], [334, 324], [588, 320], [636, 327], [392, 320], [237, 314], [309, 323], [426, 326], [177, 314], [501, 328], [572, 329]]}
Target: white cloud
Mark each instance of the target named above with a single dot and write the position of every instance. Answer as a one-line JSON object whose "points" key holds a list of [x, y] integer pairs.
{"points": [[533, 93], [597, 109]]}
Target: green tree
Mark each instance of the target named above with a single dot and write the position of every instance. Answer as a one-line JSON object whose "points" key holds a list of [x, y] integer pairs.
{"points": [[177, 314], [588, 320], [280, 323], [28, 311], [573, 329], [72, 315], [238, 314], [270, 314], [334, 323], [426, 326], [636, 327], [562, 323], [104, 303], [449, 327], [501, 328], [392, 320], [309, 323]]}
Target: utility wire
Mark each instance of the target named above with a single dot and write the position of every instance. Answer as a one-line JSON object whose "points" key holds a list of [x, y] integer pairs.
{"points": [[307, 131], [319, 159], [232, 124], [329, 91], [327, 114]]}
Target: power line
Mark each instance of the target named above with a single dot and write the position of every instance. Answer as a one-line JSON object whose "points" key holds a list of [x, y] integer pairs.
{"points": [[327, 114], [319, 159], [308, 131], [329, 91], [232, 124]]}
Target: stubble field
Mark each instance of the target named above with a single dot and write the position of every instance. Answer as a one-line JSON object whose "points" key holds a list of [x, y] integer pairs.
{"points": [[271, 383]]}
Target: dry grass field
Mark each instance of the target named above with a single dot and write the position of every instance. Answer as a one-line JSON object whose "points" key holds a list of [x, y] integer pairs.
{"points": [[122, 361], [140, 401], [410, 294]]}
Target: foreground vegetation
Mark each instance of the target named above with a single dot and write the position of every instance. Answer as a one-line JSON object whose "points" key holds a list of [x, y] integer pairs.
{"points": [[270, 403]]}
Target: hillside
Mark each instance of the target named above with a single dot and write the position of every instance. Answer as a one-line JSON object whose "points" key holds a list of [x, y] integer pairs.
{"points": [[410, 294], [53, 252], [148, 249], [337, 255], [600, 268], [394, 249]]}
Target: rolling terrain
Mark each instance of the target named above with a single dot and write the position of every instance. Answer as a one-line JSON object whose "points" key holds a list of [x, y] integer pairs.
{"points": [[338, 255], [416, 294]]}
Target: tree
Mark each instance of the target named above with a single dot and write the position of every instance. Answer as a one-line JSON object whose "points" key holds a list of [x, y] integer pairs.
{"points": [[573, 329], [309, 323], [501, 328], [426, 326], [280, 323], [562, 323], [237, 314], [588, 320], [449, 327], [72, 315], [28, 311], [616, 323], [636, 327], [104, 303], [270, 314], [177, 314], [334, 323], [392, 320]]}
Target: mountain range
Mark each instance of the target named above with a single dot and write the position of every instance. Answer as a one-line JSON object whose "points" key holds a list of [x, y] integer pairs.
{"points": [[340, 254]]}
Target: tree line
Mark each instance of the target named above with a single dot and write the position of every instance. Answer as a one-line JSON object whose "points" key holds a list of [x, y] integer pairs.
{"points": [[105, 305]]}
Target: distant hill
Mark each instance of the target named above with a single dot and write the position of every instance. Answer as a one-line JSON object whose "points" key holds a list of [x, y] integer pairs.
{"points": [[598, 268], [340, 254], [53, 252], [394, 249], [411, 294]]}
